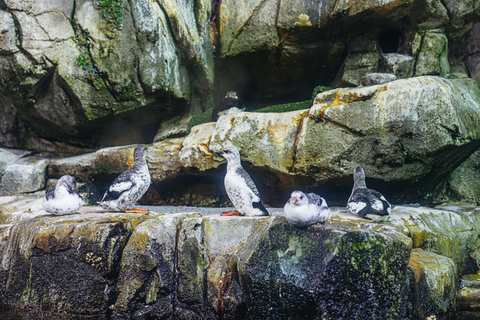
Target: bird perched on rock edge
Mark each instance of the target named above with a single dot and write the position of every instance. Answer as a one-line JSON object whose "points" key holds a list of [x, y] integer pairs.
{"points": [[228, 105], [367, 203], [129, 186], [303, 209], [240, 187], [63, 199]]}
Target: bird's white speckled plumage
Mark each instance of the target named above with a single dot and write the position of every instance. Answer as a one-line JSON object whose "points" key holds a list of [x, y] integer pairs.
{"points": [[367, 203], [240, 187], [303, 209], [63, 199], [129, 186]]}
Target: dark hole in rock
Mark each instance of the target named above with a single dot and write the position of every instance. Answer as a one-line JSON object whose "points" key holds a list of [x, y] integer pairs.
{"points": [[389, 40]]}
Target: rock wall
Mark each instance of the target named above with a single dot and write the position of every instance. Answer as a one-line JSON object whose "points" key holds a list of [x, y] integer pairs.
{"points": [[190, 266], [76, 75]]}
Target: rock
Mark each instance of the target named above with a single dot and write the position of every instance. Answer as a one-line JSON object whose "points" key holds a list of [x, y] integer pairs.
{"points": [[282, 256], [56, 250], [8, 157], [406, 148], [445, 233], [433, 56], [79, 167], [355, 67], [25, 175], [187, 265], [194, 151], [469, 294], [398, 64], [377, 78], [376, 132], [148, 266], [462, 185], [176, 127], [78, 78], [435, 282], [264, 139]]}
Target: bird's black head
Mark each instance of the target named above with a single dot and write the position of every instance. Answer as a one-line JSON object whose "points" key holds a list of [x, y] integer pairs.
{"points": [[68, 182], [230, 153], [139, 153]]}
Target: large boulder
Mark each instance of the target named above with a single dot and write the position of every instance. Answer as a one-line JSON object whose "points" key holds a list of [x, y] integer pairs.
{"points": [[189, 266], [185, 265], [409, 135]]}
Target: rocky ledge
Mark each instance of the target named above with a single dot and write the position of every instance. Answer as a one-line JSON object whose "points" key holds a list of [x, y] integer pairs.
{"points": [[209, 267]]}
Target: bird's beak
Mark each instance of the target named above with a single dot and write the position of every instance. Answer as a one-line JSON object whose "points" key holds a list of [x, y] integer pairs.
{"points": [[294, 200], [218, 153]]}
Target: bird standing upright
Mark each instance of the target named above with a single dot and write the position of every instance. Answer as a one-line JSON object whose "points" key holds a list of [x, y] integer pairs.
{"points": [[367, 203], [240, 187], [63, 199], [129, 186]]}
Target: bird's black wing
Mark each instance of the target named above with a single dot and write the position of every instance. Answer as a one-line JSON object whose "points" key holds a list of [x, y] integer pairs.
{"points": [[50, 194], [315, 199], [121, 184], [248, 180]]}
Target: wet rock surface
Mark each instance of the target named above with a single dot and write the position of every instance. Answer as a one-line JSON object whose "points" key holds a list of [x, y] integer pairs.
{"points": [[189, 265]]}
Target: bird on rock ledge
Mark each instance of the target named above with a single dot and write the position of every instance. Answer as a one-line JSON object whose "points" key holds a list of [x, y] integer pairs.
{"points": [[303, 209], [129, 186], [240, 187], [63, 199], [367, 203]]}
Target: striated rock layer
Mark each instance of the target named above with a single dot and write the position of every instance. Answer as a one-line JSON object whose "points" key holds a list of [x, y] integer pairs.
{"points": [[410, 135], [190, 266]]}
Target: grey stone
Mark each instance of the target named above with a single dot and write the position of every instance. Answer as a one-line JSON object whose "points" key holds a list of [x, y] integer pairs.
{"points": [[377, 78], [398, 64], [25, 175], [355, 67], [435, 281], [433, 56]]}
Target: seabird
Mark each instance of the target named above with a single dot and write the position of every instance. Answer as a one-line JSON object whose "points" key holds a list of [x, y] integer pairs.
{"points": [[240, 187], [228, 105], [63, 199], [367, 203], [129, 186], [303, 209]]}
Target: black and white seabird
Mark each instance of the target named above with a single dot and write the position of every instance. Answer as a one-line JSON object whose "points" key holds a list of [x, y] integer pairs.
{"points": [[367, 203], [228, 105], [129, 186], [63, 199], [240, 187], [303, 209]]}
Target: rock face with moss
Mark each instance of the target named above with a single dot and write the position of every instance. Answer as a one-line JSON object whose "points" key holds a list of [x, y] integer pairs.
{"points": [[71, 66], [412, 137], [189, 266]]}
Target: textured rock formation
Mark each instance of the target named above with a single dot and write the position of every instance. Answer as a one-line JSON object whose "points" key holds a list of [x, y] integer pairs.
{"points": [[403, 133], [68, 63], [189, 266], [76, 75]]}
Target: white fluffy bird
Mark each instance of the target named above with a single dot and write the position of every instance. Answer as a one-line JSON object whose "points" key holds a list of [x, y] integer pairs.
{"points": [[303, 209], [129, 186], [63, 199], [367, 203], [240, 187]]}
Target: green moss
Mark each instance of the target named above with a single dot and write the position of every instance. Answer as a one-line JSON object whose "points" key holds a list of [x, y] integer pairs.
{"points": [[287, 107], [197, 119], [84, 60], [319, 89], [112, 13]]}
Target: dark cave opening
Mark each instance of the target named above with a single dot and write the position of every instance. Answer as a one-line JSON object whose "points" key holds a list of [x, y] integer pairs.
{"points": [[389, 40]]}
